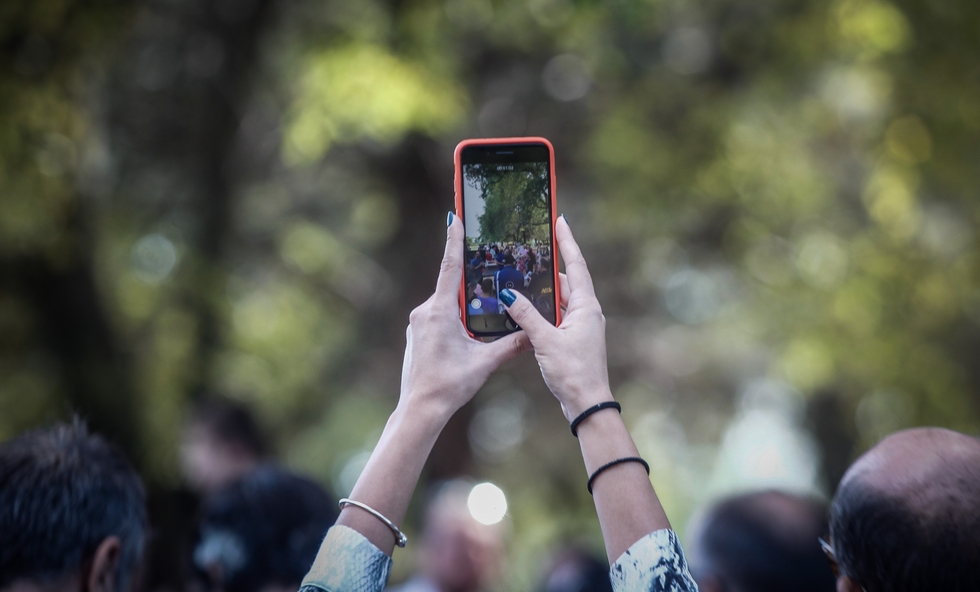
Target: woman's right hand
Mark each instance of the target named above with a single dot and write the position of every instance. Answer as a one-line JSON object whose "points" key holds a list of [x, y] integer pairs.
{"points": [[444, 366], [572, 356]]}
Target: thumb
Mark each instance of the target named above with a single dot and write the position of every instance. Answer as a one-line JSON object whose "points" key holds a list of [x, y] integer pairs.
{"points": [[507, 347], [525, 315]]}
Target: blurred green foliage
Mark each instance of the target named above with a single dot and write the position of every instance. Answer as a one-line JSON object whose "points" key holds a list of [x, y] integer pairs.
{"points": [[778, 201]]}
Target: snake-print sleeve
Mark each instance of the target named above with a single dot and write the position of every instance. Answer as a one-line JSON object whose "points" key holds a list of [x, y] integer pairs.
{"points": [[654, 563], [347, 562]]}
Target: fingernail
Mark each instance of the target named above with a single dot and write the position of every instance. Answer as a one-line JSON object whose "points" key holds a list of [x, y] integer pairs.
{"points": [[564, 218], [508, 296], [449, 220]]}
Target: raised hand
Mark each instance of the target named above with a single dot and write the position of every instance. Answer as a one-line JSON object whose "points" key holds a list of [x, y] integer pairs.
{"points": [[443, 369], [444, 366], [572, 356]]}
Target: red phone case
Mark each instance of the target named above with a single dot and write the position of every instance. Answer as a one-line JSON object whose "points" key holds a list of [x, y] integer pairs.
{"points": [[458, 184]]}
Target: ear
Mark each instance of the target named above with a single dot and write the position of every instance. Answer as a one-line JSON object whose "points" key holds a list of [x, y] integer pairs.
{"points": [[846, 584], [102, 577], [709, 584]]}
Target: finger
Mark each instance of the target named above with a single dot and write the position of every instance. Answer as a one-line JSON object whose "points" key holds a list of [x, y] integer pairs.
{"points": [[577, 272], [525, 315], [505, 348], [451, 270], [563, 289]]}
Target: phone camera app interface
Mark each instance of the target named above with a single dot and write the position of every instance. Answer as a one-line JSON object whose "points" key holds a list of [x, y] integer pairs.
{"points": [[507, 209]]}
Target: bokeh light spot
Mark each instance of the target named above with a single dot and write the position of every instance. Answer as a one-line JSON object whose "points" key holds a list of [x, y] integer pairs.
{"points": [[566, 77], [487, 503], [822, 260], [153, 258]]}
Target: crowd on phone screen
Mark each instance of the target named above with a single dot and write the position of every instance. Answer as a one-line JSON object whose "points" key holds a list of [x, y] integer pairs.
{"points": [[493, 267]]}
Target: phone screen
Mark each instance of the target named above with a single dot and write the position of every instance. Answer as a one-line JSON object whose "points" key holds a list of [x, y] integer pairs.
{"points": [[507, 212]]}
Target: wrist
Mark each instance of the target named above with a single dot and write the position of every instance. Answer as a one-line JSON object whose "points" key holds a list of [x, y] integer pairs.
{"points": [[592, 411], [431, 413], [575, 406], [603, 438], [601, 422]]}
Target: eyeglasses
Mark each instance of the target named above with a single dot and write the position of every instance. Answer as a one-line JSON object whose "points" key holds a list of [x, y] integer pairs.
{"points": [[831, 556]]}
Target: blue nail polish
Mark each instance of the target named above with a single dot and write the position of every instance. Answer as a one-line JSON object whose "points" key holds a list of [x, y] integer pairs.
{"points": [[508, 296], [564, 218], [449, 220]]}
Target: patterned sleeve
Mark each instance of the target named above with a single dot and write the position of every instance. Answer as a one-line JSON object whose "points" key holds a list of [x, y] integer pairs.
{"points": [[654, 563], [347, 562]]}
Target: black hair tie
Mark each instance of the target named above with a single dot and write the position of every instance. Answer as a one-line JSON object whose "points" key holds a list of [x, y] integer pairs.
{"points": [[582, 416], [618, 461]]}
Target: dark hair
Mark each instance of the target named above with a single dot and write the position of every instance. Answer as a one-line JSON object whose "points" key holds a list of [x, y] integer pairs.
{"points": [[884, 544], [62, 492], [230, 422], [577, 570], [748, 544], [264, 529]]}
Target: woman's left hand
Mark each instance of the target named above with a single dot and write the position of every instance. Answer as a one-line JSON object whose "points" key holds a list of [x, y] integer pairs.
{"points": [[444, 366]]}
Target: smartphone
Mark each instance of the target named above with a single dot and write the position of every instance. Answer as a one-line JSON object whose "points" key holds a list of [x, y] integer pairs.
{"points": [[505, 196]]}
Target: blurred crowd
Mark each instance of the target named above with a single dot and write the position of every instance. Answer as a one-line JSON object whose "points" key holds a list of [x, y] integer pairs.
{"points": [[73, 519]]}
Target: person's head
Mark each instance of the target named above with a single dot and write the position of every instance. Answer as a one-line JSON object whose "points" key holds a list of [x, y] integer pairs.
{"points": [[906, 516], [221, 442], [488, 287], [72, 513], [262, 532], [762, 542], [458, 554], [575, 570]]}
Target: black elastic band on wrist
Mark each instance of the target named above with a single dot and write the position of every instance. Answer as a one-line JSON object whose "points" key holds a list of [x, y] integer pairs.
{"points": [[618, 461], [591, 410]]}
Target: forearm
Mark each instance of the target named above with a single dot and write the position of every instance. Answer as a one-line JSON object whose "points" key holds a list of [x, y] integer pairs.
{"points": [[627, 506], [390, 477], [442, 369]]}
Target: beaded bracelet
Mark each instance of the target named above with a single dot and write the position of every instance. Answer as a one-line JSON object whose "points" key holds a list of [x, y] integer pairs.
{"points": [[611, 464], [591, 410]]}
